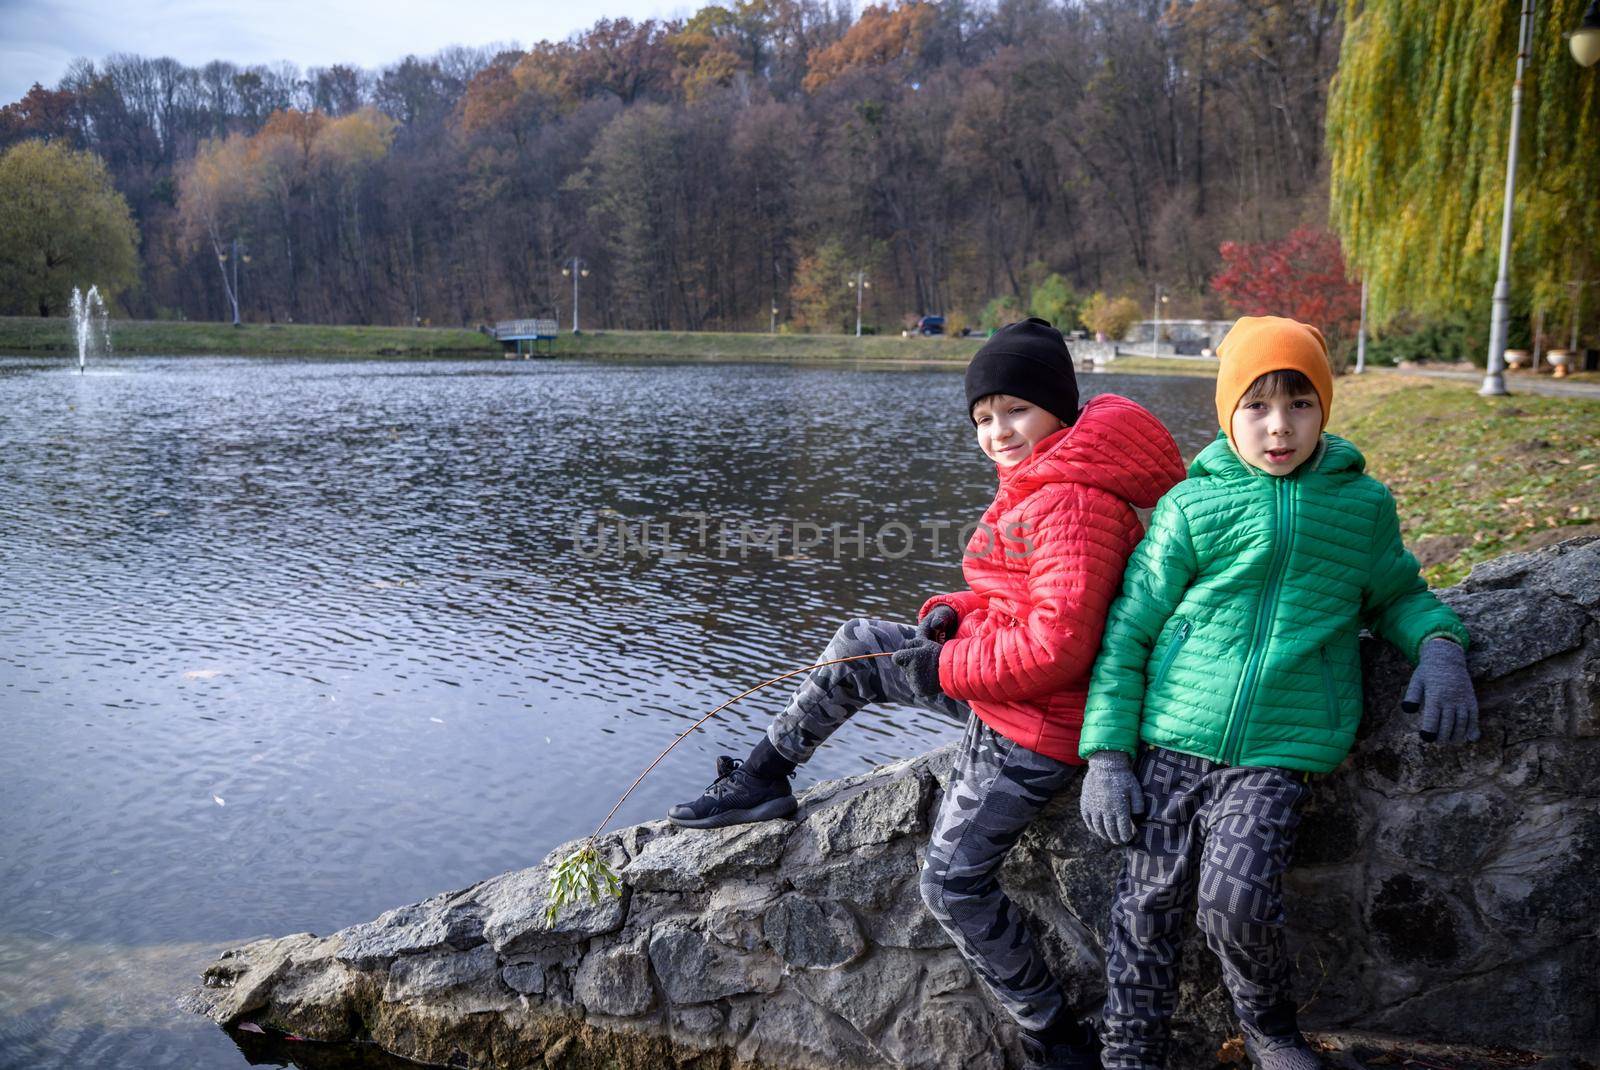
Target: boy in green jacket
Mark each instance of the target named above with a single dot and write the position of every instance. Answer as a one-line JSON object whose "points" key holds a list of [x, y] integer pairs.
{"points": [[1230, 673]]}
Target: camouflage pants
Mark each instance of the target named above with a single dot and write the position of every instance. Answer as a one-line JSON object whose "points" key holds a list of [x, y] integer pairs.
{"points": [[995, 791], [1222, 835], [828, 697]]}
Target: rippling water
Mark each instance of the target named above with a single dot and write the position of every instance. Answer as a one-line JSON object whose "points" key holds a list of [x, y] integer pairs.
{"points": [[285, 643]]}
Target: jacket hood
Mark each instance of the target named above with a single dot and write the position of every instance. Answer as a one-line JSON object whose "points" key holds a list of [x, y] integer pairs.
{"points": [[1334, 455], [1115, 444]]}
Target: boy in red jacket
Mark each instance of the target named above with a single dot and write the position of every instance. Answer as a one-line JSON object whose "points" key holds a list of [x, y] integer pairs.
{"points": [[1010, 656]]}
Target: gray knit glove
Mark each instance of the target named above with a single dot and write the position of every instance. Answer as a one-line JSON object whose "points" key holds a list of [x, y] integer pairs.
{"points": [[1110, 797], [939, 625], [1442, 690], [919, 660]]}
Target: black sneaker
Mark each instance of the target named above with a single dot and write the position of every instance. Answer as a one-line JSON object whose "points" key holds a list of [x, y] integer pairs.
{"points": [[1038, 1054], [1280, 1053], [735, 797]]}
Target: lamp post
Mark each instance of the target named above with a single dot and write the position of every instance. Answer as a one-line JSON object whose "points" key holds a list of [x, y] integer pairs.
{"points": [[1585, 40], [1494, 378], [1361, 335], [1162, 297], [576, 267], [861, 283], [222, 262]]}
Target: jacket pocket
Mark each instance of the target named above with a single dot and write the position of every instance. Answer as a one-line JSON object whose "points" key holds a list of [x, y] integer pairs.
{"points": [[1330, 697], [1178, 636]]}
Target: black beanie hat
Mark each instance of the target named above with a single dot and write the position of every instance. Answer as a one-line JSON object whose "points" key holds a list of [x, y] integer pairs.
{"points": [[1028, 360]]}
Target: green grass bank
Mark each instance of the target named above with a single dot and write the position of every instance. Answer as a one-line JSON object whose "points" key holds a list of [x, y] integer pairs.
{"points": [[176, 338], [1475, 477]]}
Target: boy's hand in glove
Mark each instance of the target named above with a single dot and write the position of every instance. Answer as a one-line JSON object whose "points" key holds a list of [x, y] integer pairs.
{"points": [[939, 625], [1441, 688], [919, 660], [1110, 797]]}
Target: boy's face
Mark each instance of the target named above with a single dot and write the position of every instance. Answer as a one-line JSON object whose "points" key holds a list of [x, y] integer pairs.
{"points": [[1009, 428], [1277, 433]]}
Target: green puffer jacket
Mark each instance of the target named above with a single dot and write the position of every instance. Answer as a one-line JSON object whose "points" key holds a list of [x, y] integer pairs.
{"points": [[1235, 635]]}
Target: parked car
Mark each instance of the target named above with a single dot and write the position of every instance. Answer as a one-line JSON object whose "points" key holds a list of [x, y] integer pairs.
{"points": [[926, 327]]}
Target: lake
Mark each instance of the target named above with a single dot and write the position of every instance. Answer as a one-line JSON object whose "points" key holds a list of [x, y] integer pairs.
{"points": [[286, 642]]}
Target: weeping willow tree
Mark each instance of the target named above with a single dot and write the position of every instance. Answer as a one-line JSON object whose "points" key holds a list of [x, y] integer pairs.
{"points": [[1419, 118]]}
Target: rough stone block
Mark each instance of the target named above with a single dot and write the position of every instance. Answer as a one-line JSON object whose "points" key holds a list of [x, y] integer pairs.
{"points": [[907, 922], [1452, 832], [615, 980], [525, 978], [869, 879], [411, 930], [1334, 824], [880, 811], [699, 1026], [513, 908], [813, 934], [243, 978], [945, 972], [693, 858], [694, 969], [1527, 626], [1570, 569], [1542, 882], [429, 974], [1415, 922], [1536, 1000], [734, 912], [948, 1033], [789, 1030], [864, 993]]}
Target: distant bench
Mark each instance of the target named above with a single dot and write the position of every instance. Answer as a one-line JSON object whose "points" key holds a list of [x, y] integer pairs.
{"points": [[521, 338]]}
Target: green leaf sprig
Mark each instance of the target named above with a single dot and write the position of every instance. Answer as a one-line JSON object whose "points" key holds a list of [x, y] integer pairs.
{"points": [[583, 872]]}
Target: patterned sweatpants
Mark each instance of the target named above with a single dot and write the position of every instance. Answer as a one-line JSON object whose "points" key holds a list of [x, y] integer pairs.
{"points": [[1221, 835], [996, 789]]}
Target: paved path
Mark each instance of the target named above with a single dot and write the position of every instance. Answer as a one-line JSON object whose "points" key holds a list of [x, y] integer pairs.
{"points": [[1517, 384]]}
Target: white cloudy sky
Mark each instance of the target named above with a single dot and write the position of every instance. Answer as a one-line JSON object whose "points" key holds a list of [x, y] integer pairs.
{"points": [[39, 37]]}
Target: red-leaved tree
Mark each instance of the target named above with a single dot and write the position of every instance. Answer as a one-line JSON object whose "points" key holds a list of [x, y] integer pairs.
{"points": [[1301, 276]]}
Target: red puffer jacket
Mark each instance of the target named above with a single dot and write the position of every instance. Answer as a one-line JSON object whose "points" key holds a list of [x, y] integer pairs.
{"points": [[1044, 566]]}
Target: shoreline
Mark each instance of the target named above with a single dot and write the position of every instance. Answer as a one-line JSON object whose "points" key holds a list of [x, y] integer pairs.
{"points": [[33, 336]]}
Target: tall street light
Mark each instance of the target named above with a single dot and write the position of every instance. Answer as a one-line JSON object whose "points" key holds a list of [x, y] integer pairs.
{"points": [[233, 291], [1585, 45], [1361, 333], [1494, 378], [1162, 297], [576, 267], [860, 281]]}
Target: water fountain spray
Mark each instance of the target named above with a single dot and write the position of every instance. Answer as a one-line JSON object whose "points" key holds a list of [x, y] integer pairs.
{"points": [[91, 325]]}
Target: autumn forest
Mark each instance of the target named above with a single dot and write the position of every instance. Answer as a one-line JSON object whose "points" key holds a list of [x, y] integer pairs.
{"points": [[729, 171]]}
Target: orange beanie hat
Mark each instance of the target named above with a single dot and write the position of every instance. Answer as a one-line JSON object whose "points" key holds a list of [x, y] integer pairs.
{"points": [[1257, 345]]}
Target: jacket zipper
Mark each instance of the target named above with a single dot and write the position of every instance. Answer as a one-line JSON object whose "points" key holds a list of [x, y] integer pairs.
{"points": [[1327, 690], [1172, 652], [1239, 714]]}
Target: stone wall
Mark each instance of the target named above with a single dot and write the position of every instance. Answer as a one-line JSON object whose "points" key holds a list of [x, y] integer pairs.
{"points": [[1439, 892]]}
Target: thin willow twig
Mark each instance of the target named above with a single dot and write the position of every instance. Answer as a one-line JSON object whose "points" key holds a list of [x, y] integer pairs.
{"points": [[765, 683]]}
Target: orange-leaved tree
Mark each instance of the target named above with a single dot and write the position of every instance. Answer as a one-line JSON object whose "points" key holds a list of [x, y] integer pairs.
{"points": [[881, 36]]}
